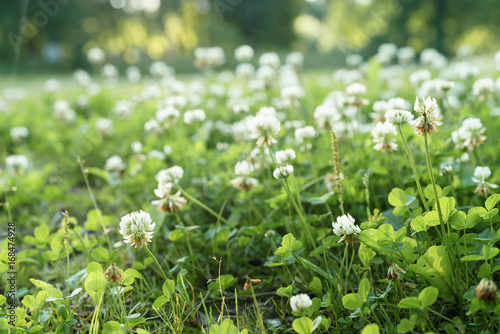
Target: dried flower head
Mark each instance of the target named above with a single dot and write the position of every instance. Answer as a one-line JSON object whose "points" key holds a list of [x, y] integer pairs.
{"points": [[168, 202], [428, 119], [486, 291], [114, 274], [137, 228], [394, 271]]}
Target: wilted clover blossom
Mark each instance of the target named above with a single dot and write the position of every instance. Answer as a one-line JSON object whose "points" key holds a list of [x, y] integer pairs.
{"points": [[137, 228]]}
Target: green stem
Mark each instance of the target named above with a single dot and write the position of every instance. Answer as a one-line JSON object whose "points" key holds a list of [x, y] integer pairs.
{"points": [[414, 168], [122, 304], [94, 202], [257, 309], [155, 261], [302, 220], [203, 206]]}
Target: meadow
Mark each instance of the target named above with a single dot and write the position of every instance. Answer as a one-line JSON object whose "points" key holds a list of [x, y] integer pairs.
{"points": [[257, 199]]}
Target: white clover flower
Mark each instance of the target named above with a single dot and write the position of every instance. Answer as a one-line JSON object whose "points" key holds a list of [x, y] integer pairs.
{"points": [[300, 302], [428, 120], [136, 147], [282, 172], [52, 85], [344, 227], [471, 134], [123, 109], [398, 117], [243, 181], [63, 112], [243, 168], [304, 133], [483, 88], [292, 92], [245, 70], [285, 156], [168, 202], [168, 115], [82, 78], [209, 57], [115, 164], [356, 89], [133, 74], [153, 126], [96, 56], [82, 102], [296, 59], [109, 71], [326, 116], [353, 59], [156, 154], [170, 175], [446, 170], [137, 228], [382, 137], [19, 133], [263, 127], [243, 53], [193, 116], [104, 126], [16, 163], [270, 59], [480, 176], [417, 77], [167, 149]]}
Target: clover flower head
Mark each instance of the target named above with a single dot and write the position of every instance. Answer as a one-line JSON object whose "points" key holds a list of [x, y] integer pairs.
{"points": [[382, 137], [429, 112], [304, 133], [193, 116], [285, 156], [170, 175], [114, 274], [263, 127], [398, 117], [16, 163], [446, 170], [394, 271], [345, 228], [300, 302], [168, 202], [243, 53], [470, 134], [480, 176], [282, 172], [115, 164], [137, 228], [486, 291], [243, 168]]}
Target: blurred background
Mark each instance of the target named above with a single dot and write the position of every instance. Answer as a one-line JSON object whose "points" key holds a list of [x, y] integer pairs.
{"points": [[54, 35]]}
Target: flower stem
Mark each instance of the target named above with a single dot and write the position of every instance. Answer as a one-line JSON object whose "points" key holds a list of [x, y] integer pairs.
{"points": [[302, 220], [203, 206], [155, 261], [438, 205], [414, 168]]}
